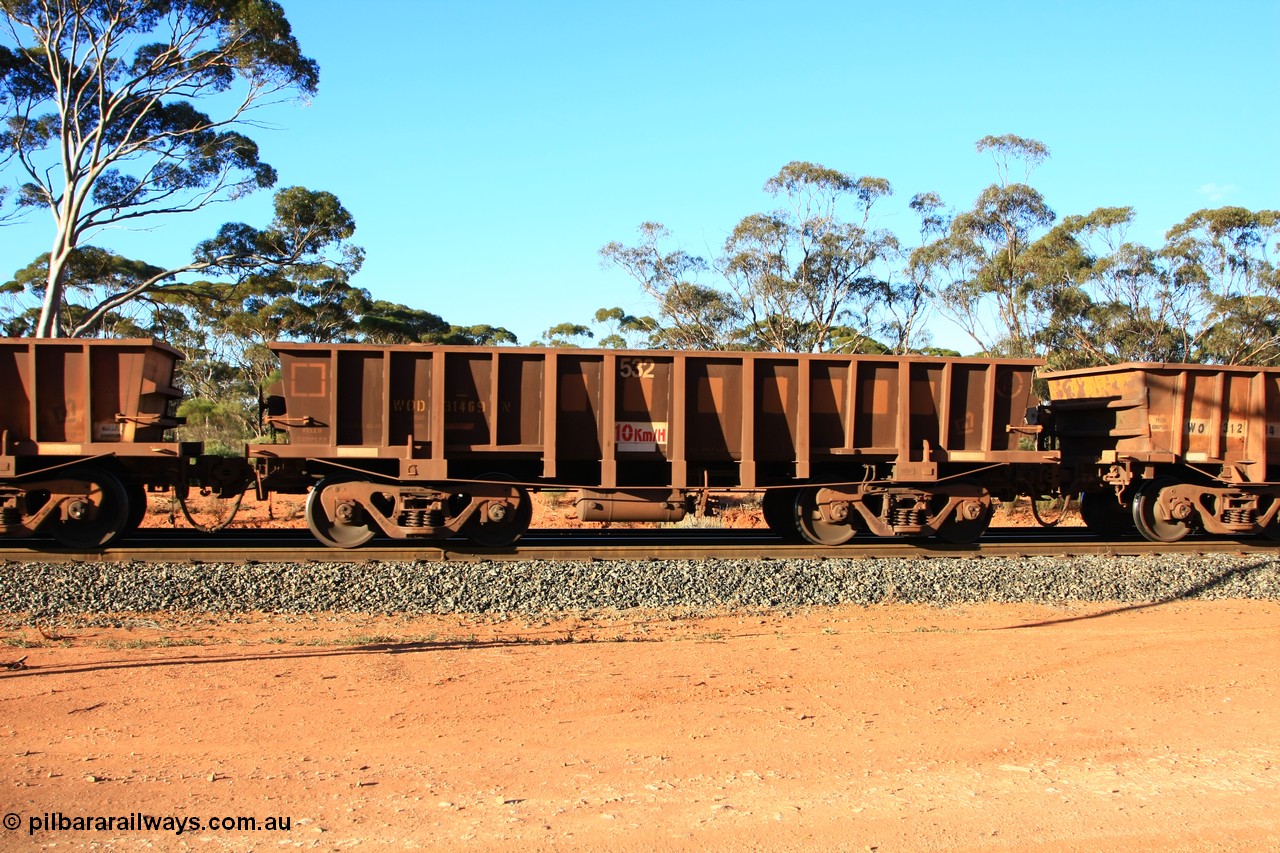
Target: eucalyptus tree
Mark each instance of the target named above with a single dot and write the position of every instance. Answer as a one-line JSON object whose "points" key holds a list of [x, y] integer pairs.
{"points": [[690, 315], [610, 328], [386, 322], [478, 335], [103, 129], [791, 277], [1108, 300], [1225, 254], [567, 335], [802, 270], [91, 273], [910, 294], [620, 330], [985, 279], [848, 339]]}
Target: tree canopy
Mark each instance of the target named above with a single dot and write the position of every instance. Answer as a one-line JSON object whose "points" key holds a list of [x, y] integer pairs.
{"points": [[789, 279], [105, 125], [818, 273]]}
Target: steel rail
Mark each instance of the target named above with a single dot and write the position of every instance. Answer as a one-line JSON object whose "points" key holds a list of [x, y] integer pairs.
{"points": [[294, 546]]}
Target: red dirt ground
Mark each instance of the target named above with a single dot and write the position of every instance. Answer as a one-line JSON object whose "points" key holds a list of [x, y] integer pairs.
{"points": [[891, 728]]}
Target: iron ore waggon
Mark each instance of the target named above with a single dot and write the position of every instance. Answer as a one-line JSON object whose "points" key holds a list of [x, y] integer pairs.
{"points": [[83, 427], [1171, 447], [415, 441]]}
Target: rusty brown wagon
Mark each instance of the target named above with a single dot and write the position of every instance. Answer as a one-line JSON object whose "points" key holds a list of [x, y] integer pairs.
{"points": [[82, 430], [427, 441], [1171, 447], [85, 431]]}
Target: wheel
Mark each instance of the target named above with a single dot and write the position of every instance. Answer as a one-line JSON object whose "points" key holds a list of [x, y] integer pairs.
{"points": [[350, 530], [779, 510], [966, 531], [1150, 518], [1104, 515], [500, 532], [97, 519], [811, 525]]}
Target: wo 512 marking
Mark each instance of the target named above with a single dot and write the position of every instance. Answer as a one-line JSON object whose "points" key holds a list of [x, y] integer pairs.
{"points": [[1201, 426]]}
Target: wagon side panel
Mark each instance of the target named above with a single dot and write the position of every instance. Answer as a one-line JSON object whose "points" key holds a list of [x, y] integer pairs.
{"points": [[16, 366], [777, 395], [714, 421], [410, 405], [579, 411], [308, 388]]}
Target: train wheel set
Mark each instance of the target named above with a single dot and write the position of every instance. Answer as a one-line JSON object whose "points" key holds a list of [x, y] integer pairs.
{"points": [[344, 512], [427, 443]]}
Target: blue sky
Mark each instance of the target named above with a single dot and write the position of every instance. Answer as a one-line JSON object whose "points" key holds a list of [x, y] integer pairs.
{"points": [[489, 149]]}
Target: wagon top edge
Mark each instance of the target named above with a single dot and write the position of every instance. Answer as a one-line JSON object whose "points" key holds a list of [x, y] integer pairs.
{"points": [[1157, 367], [734, 355], [82, 343]]}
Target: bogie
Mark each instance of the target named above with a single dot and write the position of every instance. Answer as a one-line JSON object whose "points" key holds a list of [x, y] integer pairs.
{"points": [[345, 512], [336, 517]]}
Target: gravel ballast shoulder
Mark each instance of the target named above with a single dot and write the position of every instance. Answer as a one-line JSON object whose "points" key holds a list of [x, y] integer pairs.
{"points": [[539, 588]]}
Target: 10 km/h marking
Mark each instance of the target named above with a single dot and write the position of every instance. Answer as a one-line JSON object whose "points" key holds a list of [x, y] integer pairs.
{"points": [[633, 436]]}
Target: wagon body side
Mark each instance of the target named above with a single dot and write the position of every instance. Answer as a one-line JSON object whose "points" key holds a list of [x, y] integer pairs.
{"points": [[645, 434]]}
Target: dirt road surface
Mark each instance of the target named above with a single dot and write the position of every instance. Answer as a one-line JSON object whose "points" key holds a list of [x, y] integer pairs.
{"points": [[890, 728]]}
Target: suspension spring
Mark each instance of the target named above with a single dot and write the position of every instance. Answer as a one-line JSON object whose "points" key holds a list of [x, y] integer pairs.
{"points": [[420, 518], [907, 517], [1238, 517], [413, 518], [9, 516]]}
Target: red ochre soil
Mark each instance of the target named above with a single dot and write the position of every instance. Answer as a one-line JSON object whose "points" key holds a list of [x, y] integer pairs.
{"points": [[887, 728]]}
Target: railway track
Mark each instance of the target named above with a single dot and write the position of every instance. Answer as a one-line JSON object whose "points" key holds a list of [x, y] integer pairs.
{"points": [[297, 546]]}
